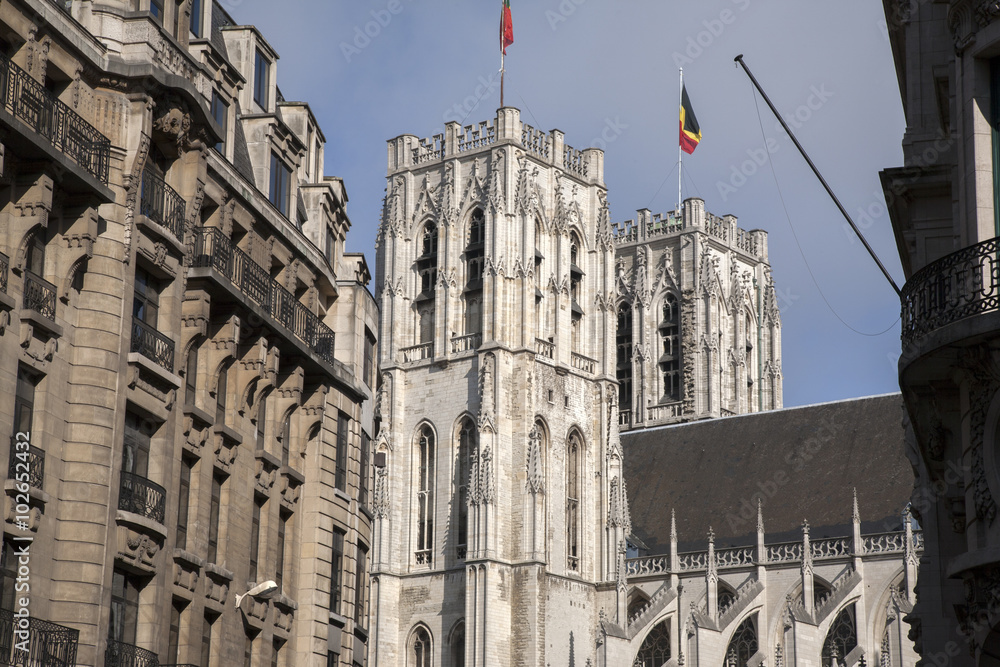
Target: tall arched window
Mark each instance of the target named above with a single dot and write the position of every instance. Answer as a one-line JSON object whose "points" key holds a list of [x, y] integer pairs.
{"points": [[457, 644], [743, 645], [623, 369], [421, 651], [466, 449], [425, 495], [576, 290], [670, 353], [841, 639], [427, 266], [474, 262], [573, 454], [655, 649], [725, 597]]}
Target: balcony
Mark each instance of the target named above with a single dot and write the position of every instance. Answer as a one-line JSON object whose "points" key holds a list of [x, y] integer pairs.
{"points": [[30, 461], [49, 644], [582, 363], [39, 295], [214, 250], [28, 101], [545, 348], [120, 654], [161, 204], [152, 344], [957, 286], [140, 496]]}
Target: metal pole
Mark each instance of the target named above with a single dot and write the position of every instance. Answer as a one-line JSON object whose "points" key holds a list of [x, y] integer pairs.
{"points": [[680, 154], [812, 166]]}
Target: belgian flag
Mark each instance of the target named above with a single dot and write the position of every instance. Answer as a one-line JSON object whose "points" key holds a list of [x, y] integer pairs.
{"points": [[506, 27], [690, 130]]}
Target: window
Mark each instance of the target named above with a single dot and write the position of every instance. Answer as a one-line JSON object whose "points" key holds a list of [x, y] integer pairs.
{"points": [[34, 257], [655, 649], [458, 646], [425, 495], [247, 651], [206, 640], [623, 368], [286, 440], [466, 449], [260, 80], [337, 570], [262, 422], [361, 585], [281, 184], [191, 377], [279, 565], [841, 639], [156, 10], [421, 649], [8, 574], [183, 500], [573, 502], [343, 426], [369, 368], [124, 607], [220, 112], [214, 512], [220, 396], [366, 443], [24, 402], [427, 262], [474, 263], [332, 659], [196, 18], [276, 651], [329, 244], [670, 356], [258, 504], [743, 645], [135, 451], [173, 639], [145, 301]]}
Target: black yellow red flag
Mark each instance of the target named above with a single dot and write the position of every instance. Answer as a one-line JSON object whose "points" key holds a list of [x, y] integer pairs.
{"points": [[690, 130]]}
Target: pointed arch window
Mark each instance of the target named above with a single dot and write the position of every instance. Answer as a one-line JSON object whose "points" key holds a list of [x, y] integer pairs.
{"points": [[670, 353], [474, 262], [466, 449], [458, 645], [655, 649], [427, 262], [421, 651], [575, 289], [425, 495], [573, 453], [623, 370], [841, 639], [743, 645]]}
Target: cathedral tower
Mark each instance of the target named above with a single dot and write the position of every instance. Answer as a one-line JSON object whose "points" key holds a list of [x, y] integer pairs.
{"points": [[499, 505]]}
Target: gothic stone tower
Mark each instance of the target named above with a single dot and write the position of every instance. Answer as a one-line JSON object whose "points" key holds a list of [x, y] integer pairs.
{"points": [[499, 507], [699, 333]]}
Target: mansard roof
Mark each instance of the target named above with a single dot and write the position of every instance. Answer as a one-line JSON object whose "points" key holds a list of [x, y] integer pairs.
{"points": [[802, 463]]}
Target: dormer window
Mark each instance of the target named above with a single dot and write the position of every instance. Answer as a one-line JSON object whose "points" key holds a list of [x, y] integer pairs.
{"points": [[260, 80], [156, 10], [196, 18], [281, 184]]}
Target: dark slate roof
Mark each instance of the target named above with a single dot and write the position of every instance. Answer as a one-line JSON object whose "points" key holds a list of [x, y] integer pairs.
{"points": [[802, 463], [220, 20], [241, 155]]}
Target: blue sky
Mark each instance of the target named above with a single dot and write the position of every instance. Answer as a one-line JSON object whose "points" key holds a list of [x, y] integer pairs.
{"points": [[602, 70]]}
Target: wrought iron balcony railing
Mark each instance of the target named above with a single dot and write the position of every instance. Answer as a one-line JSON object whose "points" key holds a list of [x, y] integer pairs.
{"points": [[49, 644], [4, 269], [120, 654], [39, 295], [140, 496], [160, 203], [30, 460], [957, 286], [152, 344], [213, 249], [43, 112]]}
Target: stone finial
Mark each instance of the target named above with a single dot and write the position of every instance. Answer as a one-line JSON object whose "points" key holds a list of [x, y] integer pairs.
{"points": [[673, 525], [711, 536], [856, 515], [760, 516]]}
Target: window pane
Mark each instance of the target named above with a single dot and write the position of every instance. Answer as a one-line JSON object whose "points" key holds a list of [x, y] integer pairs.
{"points": [[336, 570], [260, 80], [196, 18]]}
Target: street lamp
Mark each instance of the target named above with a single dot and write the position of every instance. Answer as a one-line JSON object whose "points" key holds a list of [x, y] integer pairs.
{"points": [[262, 591]]}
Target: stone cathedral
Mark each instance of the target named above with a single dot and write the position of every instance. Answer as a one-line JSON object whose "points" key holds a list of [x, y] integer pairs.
{"points": [[521, 331]]}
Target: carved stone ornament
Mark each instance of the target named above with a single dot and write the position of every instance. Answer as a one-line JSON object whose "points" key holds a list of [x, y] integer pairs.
{"points": [[380, 495], [533, 465]]}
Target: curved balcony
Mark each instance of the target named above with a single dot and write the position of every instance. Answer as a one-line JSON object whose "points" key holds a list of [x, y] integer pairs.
{"points": [[120, 654], [160, 203], [957, 286], [39, 295], [140, 496], [152, 344], [47, 643]]}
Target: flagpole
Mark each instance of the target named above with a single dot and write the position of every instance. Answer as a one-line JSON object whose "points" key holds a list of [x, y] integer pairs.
{"points": [[680, 153], [501, 75]]}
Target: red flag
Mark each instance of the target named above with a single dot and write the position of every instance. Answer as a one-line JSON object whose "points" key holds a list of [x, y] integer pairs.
{"points": [[506, 27], [690, 130]]}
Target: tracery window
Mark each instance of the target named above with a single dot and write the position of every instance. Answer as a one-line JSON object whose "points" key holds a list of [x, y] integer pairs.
{"points": [[427, 262], [421, 651], [670, 353], [743, 645], [623, 370], [466, 449], [425, 495], [655, 649], [573, 451], [474, 262], [575, 290], [725, 597], [841, 639]]}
